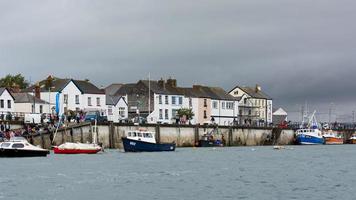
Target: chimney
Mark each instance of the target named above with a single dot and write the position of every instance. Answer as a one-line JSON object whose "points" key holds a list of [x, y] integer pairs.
{"points": [[172, 82], [161, 83], [258, 88], [37, 91]]}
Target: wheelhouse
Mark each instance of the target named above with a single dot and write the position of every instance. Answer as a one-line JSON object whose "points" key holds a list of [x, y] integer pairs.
{"points": [[140, 135]]}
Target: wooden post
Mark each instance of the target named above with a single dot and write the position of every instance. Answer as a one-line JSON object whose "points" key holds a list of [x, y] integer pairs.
{"points": [[71, 134], [81, 135], [91, 134], [196, 135], [230, 137], [42, 141], [158, 134]]}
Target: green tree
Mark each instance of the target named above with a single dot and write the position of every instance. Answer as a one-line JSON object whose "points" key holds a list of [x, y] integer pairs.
{"points": [[186, 112], [11, 81]]}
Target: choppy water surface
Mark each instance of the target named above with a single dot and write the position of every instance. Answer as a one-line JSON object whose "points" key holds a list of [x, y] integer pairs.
{"points": [[304, 172]]}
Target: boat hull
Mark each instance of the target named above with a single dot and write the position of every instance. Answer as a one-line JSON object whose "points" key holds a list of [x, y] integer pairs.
{"points": [[353, 141], [75, 151], [140, 146], [309, 140], [207, 143], [331, 140], [22, 153]]}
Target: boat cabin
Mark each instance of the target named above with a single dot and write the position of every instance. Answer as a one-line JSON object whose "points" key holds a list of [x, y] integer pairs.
{"points": [[141, 135]]}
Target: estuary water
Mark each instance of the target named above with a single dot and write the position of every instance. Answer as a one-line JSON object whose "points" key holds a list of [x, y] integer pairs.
{"points": [[298, 172]]}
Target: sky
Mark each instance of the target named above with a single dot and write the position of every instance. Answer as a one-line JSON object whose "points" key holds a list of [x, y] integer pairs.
{"points": [[299, 51]]}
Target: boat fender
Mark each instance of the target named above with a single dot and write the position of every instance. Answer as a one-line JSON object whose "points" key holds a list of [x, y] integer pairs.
{"points": [[2, 149]]}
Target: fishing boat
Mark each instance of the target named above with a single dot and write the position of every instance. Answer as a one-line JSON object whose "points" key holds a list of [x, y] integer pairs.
{"points": [[309, 133], [208, 140], [144, 141], [332, 138], [20, 147], [77, 148], [352, 139]]}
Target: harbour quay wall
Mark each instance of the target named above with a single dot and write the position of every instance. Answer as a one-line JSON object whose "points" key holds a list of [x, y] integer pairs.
{"points": [[109, 135]]}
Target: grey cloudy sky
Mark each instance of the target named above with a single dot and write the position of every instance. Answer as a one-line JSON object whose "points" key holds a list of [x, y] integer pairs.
{"points": [[298, 50]]}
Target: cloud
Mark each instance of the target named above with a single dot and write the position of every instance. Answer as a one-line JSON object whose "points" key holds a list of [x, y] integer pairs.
{"points": [[297, 50]]}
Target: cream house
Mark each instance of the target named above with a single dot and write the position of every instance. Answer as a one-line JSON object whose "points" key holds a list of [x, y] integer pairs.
{"points": [[255, 107], [6, 102]]}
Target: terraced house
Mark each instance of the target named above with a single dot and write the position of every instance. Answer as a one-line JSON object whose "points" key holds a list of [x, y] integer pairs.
{"points": [[6, 102], [255, 106], [209, 104], [69, 94]]}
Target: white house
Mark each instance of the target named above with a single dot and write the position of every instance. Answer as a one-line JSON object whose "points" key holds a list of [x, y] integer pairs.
{"points": [[6, 101], [67, 94], [258, 105], [117, 108], [25, 103]]}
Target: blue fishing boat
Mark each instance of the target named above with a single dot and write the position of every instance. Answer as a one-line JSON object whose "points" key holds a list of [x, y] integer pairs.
{"points": [[144, 141], [309, 133]]}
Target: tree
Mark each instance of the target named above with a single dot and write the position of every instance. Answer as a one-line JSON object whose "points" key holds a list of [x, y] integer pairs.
{"points": [[11, 81], [185, 112]]}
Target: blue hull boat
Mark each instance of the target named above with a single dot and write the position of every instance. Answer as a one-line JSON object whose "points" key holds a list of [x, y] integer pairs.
{"points": [[307, 139], [141, 146]]}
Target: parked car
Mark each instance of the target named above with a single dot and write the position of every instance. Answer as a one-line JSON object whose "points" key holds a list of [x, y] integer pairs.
{"points": [[95, 115]]}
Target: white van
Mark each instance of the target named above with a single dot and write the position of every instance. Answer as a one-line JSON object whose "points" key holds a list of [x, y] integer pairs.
{"points": [[32, 118]]}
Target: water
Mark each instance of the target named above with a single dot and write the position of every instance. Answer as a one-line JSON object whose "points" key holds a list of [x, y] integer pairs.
{"points": [[304, 172]]}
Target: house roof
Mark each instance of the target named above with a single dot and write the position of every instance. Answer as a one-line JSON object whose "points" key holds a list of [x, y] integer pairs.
{"points": [[3, 89], [251, 91], [59, 84], [112, 100], [27, 98], [113, 88], [210, 92]]}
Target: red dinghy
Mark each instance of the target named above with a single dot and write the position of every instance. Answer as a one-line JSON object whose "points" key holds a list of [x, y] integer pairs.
{"points": [[77, 148]]}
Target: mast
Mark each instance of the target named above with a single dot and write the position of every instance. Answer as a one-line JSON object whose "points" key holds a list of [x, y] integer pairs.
{"points": [[149, 94]]}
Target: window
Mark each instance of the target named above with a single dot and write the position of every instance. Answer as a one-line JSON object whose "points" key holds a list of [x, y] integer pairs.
{"points": [[236, 92], [98, 101], [122, 112], [205, 103], [215, 104], [160, 99], [245, 101], [174, 113], [89, 101], [205, 116], [65, 98], [190, 102], [166, 114], [230, 105], [166, 99], [1, 103], [18, 145], [110, 110], [223, 105], [160, 114], [41, 109], [76, 99], [8, 103], [180, 100], [173, 100]]}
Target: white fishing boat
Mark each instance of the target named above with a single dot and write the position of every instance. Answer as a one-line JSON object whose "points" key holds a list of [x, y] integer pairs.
{"points": [[20, 147]]}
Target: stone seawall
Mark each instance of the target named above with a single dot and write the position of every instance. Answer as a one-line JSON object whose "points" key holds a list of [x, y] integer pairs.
{"points": [[185, 136]]}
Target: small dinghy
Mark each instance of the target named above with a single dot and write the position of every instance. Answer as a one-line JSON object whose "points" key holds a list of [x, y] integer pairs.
{"points": [[20, 147], [77, 148], [144, 141]]}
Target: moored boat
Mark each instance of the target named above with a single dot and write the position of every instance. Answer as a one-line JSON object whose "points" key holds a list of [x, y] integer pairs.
{"points": [[331, 138], [77, 148], [20, 147], [352, 139], [144, 141], [207, 140], [310, 134]]}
